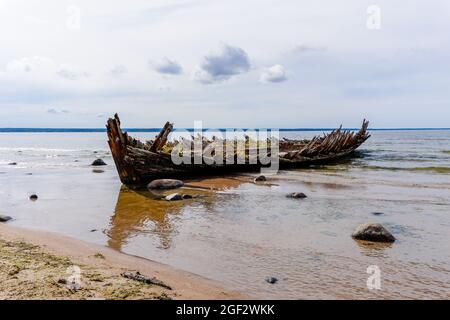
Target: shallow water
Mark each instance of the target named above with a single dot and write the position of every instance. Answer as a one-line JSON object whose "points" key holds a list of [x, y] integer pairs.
{"points": [[246, 232]]}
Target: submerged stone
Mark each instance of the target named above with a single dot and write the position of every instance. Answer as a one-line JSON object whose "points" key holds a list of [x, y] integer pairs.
{"points": [[165, 184], [296, 195], [271, 280], [4, 218], [373, 232], [174, 197], [99, 162], [260, 179]]}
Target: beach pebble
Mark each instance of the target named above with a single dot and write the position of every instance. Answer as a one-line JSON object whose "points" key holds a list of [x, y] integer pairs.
{"points": [[373, 232], [33, 197], [296, 195], [4, 218], [165, 184], [260, 179], [174, 197], [99, 162], [271, 280], [377, 213]]}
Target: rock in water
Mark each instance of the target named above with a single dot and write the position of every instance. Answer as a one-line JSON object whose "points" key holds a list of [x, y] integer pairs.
{"points": [[174, 197], [12, 163], [187, 196], [260, 179], [271, 280], [99, 162], [296, 195], [165, 184], [373, 232], [33, 197], [4, 218]]}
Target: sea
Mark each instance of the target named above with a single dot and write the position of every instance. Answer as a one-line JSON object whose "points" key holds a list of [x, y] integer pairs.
{"points": [[244, 232]]}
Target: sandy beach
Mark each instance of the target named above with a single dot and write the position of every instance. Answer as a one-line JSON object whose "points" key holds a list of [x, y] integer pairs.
{"points": [[36, 265]]}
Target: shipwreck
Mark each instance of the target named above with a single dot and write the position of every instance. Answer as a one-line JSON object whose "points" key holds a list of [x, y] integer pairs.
{"points": [[139, 162]]}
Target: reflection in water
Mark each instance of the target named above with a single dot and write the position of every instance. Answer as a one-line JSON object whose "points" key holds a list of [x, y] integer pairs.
{"points": [[140, 212]]}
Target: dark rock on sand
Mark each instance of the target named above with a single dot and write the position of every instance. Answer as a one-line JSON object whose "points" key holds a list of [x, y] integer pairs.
{"points": [[260, 179], [165, 184], [4, 218], [271, 280], [187, 196], [377, 213], [99, 162], [174, 197], [296, 195], [373, 232], [12, 163], [33, 197]]}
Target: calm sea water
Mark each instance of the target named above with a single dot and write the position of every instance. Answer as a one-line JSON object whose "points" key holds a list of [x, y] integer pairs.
{"points": [[248, 232]]}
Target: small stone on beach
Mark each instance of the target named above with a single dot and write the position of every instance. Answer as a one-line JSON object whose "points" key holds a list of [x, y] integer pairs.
{"points": [[33, 197], [373, 232], [377, 213], [4, 218], [271, 280], [296, 195], [260, 179], [174, 197], [165, 184], [99, 162]]}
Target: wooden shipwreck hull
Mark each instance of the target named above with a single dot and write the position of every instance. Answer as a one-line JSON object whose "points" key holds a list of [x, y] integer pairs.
{"points": [[138, 162]]}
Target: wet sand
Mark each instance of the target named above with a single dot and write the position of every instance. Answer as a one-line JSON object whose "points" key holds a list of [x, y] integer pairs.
{"points": [[34, 265]]}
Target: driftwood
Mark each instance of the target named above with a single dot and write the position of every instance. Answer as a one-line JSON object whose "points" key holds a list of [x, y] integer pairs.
{"points": [[141, 278], [139, 163]]}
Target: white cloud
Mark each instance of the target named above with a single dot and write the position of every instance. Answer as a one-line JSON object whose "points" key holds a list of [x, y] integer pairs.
{"points": [[275, 73], [221, 66], [167, 66]]}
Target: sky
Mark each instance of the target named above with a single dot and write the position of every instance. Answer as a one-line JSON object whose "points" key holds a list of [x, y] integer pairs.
{"points": [[246, 63]]}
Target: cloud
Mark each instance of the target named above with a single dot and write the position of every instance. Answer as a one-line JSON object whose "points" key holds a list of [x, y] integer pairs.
{"points": [[42, 67], [55, 111], [167, 66], [71, 74], [223, 65], [302, 48], [118, 70], [275, 73]]}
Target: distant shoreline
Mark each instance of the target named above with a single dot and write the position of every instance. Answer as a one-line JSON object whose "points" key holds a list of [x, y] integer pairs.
{"points": [[88, 130]]}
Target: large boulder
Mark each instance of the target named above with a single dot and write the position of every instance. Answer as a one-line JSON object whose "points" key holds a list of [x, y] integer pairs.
{"points": [[99, 162], [4, 218], [373, 232], [165, 184]]}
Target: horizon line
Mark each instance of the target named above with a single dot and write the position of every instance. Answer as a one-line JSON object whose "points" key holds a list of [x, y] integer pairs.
{"points": [[80, 130]]}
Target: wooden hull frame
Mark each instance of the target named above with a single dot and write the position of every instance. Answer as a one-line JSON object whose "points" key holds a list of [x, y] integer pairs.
{"points": [[138, 163]]}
